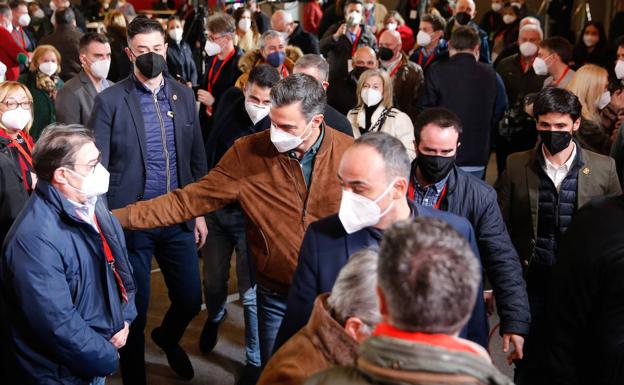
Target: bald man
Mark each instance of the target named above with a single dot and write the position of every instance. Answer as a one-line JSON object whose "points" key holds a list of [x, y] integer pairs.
{"points": [[283, 22], [407, 76], [341, 91], [464, 14]]}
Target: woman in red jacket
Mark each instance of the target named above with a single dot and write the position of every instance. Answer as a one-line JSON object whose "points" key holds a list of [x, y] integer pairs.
{"points": [[312, 14], [394, 22]]}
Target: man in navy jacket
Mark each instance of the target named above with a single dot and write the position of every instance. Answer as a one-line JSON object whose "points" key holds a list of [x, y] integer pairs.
{"points": [[374, 170], [68, 290], [148, 131]]}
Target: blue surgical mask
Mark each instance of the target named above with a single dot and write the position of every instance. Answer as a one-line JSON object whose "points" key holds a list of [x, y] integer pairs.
{"points": [[276, 59]]}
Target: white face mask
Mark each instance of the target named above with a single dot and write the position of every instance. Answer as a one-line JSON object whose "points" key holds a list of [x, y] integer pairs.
{"points": [[391, 26], [528, 49], [603, 100], [100, 68], [244, 24], [497, 7], [16, 119], [371, 96], [24, 20], [357, 211], [3, 69], [49, 68], [590, 40], [9, 27], [285, 141], [508, 19], [354, 18], [39, 14], [94, 184], [212, 48], [176, 35], [516, 4], [619, 69], [423, 39], [369, 6], [256, 112], [540, 67]]}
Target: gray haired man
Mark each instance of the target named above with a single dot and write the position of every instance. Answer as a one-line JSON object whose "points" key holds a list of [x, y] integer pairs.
{"points": [[428, 278], [284, 179]]}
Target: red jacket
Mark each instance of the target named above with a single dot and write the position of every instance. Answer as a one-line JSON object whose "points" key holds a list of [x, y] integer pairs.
{"points": [[312, 14], [407, 37], [10, 54]]}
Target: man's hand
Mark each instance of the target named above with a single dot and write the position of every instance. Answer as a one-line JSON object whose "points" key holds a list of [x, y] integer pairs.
{"points": [[488, 297], [518, 343], [205, 97], [119, 339], [201, 231], [341, 31]]}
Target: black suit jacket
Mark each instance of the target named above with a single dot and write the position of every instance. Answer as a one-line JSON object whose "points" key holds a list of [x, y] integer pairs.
{"points": [[117, 122], [304, 40], [326, 248]]}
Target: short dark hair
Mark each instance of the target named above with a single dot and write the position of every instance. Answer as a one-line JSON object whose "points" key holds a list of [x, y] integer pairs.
{"points": [[300, 88], [554, 99], [221, 23], [4, 9], [619, 42], [263, 75], [89, 38], [16, 3], [428, 275], [464, 38], [346, 4], [142, 25], [64, 16], [441, 117], [437, 22], [57, 147], [562, 47]]}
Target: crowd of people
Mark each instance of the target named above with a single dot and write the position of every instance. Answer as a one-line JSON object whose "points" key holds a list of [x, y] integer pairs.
{"points": [[342, 160]]}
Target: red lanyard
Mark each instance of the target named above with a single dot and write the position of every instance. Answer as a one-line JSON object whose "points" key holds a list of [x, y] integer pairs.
{"points": [[412, 195], [111, 261], [21, 41], [562, 76], [284, 71], [396, 68], [356, 41], [25, 154], [429, 59], [211, 80]]}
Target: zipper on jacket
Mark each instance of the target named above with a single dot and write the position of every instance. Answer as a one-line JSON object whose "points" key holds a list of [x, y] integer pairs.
{"points": [[164, 141]]}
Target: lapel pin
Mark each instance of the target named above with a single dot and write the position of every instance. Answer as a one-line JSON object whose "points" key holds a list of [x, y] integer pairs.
{"points": [[170, 114], [586, 171], [175, 97]]}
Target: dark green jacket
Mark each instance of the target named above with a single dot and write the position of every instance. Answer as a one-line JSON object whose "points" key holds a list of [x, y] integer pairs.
{"points": [[518, 193], [393, 361], [43, 107]]}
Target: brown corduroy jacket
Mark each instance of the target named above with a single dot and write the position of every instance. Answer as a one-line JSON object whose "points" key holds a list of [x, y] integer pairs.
{"points": [[321, 344], [271, 189]]}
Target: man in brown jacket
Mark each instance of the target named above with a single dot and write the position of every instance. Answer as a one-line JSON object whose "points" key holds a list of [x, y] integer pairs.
{"points": [[283, 178], [539, 192], [339, 322]]}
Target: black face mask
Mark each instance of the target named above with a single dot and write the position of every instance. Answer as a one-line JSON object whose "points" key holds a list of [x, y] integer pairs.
{"points": [[434, 168], [555, 141], [150, 64], [462, 18], [357, 72], [385, 54]]}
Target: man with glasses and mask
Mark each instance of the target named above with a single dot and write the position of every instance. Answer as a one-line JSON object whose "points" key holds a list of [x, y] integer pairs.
{"points": [[74, 101], [147, 129], [373, 174], [283, 178], [436, 182], [538, 193], [68, 290]]}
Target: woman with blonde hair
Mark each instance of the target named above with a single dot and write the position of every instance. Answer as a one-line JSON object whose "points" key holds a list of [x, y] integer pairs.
{"points": [[597, 128], [374, 111], [247, 35], [16, 119], [43, 82], [115, 23]]}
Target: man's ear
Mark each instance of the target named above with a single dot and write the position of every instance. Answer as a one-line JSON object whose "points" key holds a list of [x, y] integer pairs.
{"points": [[576, 125], [383, 310], [129, 54], [59, 176]]}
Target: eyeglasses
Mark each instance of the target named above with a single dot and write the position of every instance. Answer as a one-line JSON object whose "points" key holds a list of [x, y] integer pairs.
{"points": [[91, 166], [11, 104], [215, 37]]}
